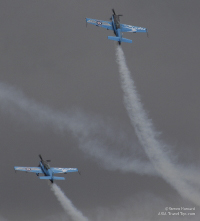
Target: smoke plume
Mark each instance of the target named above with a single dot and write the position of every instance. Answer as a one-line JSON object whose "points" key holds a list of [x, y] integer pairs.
{"points": [[92, 133], [67, 205], [148, 137]]}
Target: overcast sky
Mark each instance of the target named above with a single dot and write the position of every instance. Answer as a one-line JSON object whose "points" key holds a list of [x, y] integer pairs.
{"points": [[60, 96]]}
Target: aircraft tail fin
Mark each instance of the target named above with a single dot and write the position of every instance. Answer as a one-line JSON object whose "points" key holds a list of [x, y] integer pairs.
{"points": [[126, 40], [113, 38]]}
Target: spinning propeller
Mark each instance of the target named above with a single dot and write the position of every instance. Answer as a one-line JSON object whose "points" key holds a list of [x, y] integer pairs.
{"points": [[40, 156], [113, 10]]}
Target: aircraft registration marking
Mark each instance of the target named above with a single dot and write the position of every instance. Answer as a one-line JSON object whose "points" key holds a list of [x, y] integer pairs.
{"points": [[106, 23], [91, 21], [134, 28]]}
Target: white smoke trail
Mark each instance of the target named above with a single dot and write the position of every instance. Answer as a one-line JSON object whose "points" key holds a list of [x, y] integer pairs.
{"points": [[148, 137], [92, 133], [67, 205]]}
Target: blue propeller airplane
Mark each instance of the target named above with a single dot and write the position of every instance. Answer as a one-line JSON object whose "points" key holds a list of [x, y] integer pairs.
{"points": [[48, 171], [116, 27]]}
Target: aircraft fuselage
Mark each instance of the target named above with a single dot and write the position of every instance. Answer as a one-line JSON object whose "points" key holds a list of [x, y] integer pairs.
{"points": [[46, 170], [116, 26]]}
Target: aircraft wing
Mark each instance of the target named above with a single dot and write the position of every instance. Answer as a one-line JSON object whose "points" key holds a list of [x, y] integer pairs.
{"points": [[29, 169], [129, 28], [100, 23], [63, 170]]}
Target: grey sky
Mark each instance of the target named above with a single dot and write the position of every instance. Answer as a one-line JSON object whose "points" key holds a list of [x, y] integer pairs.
{"points": [[51, 59]]}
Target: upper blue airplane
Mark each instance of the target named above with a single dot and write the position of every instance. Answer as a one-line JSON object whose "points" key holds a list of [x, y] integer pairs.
{"points": [[116, 27], [47, 170]]}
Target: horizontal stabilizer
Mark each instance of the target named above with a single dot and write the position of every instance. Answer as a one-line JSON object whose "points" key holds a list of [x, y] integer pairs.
{"points": [[45, 177], [50, 178], [120, 40], [58, 178], [113, 38], [126, 40]]}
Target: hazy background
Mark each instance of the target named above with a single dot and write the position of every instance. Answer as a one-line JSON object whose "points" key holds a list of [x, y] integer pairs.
{"points": [[49, 56]]}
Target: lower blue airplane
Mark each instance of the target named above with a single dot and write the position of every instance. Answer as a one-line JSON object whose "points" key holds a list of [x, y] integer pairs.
{"points": [[48, 171], [116, 27]]}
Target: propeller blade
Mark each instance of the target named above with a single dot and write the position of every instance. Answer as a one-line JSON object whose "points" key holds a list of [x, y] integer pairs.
{"points": [[113, 11], [40, 156]]}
